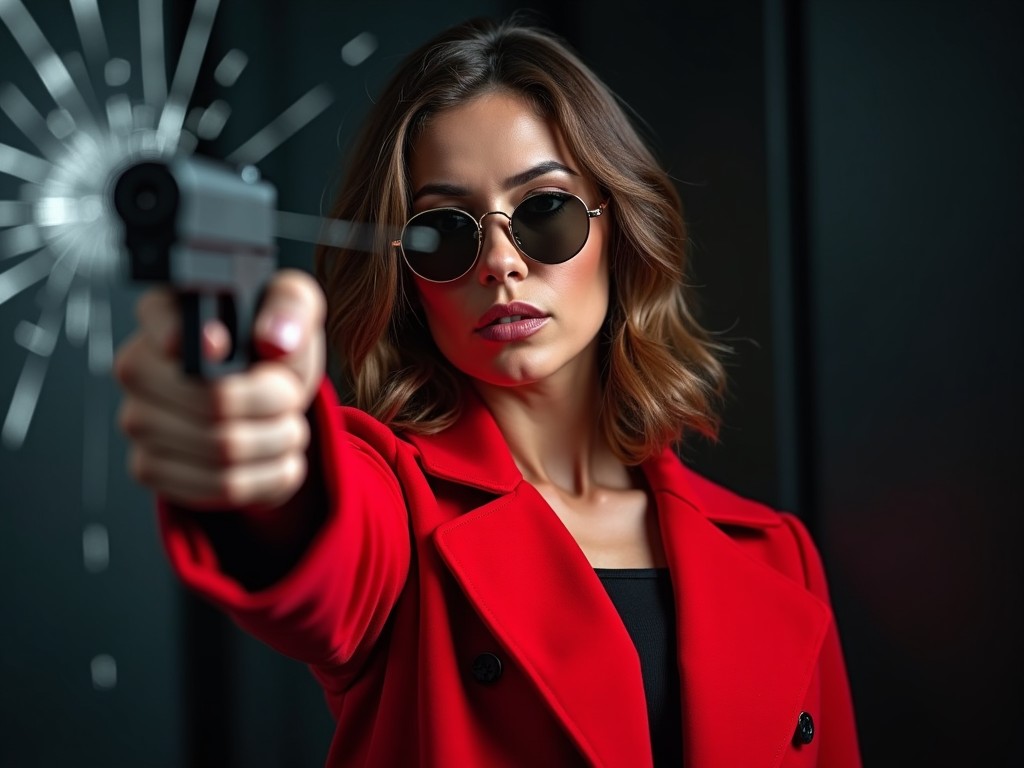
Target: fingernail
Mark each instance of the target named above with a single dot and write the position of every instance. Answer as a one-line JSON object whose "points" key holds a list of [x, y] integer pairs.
{"points": [[284, 333], [216, 341]]}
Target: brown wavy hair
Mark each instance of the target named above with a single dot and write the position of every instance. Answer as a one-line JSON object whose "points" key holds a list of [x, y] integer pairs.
{"points": [[659, 372]]}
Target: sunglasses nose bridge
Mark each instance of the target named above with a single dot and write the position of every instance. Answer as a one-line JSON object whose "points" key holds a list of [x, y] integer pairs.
{"points": [[508, 223], [503, 256], [480, 226]]}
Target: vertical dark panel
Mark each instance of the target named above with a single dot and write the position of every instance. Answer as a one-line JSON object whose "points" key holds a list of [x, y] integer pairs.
{"points": [[785, 140], [916, 154]]}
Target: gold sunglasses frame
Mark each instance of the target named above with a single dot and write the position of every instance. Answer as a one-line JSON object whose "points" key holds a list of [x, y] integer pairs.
{"points": [[591, 214]]}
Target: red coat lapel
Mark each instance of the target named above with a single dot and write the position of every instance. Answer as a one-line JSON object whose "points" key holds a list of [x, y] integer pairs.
{"points": [[537, 593], [535, 590], [749, 636]]}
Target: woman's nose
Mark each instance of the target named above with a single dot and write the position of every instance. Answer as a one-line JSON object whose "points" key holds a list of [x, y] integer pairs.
{"points": [[500, 259]]}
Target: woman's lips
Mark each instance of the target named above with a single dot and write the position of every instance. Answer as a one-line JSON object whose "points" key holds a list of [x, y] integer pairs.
{"points": [[511, 322], [512, 328]]}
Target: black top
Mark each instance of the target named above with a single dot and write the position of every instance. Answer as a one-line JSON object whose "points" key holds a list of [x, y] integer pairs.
{"points": [[643, 598]]}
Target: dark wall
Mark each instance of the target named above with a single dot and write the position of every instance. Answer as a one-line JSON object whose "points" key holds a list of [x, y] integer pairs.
{"points": [[915, 155], [851, 176]]}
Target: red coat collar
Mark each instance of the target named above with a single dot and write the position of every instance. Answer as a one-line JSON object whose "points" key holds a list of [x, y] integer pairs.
{"points": [[473, 452], [749, 636]]}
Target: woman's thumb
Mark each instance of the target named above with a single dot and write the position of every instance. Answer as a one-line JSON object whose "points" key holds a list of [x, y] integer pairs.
{"points": [[290, 317]]}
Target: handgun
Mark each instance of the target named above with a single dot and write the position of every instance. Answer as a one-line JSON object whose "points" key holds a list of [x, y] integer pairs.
{"points": [[205, 231]]}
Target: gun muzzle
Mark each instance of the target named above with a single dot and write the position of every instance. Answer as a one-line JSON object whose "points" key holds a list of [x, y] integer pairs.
{"points": [[146, 198], [200, 228]]}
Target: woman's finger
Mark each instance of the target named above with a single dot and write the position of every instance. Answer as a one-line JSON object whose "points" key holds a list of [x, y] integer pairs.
{"points": [[289, 326], [166, 433], [201, 487], [266, 390], [159, 317], [160, 320], [144, 372]]}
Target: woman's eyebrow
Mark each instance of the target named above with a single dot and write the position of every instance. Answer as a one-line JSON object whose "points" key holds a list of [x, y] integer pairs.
{"points": [[445, 190], [540, 169], [523, 177]]}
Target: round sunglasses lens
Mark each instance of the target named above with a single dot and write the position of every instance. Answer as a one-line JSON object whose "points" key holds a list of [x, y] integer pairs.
{"points": [[550, 227], [440, 245]]}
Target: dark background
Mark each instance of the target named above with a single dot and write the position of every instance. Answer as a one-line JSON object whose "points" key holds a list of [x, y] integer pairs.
{"points": [[852, 175]]}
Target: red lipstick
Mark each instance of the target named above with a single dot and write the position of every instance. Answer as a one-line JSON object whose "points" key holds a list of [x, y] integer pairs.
{"points": [[511, 322]]}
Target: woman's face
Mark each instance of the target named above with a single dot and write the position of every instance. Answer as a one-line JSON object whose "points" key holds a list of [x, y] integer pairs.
{"points": [[488, 155]]}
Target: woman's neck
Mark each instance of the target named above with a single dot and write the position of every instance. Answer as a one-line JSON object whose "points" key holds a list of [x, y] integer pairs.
{"points": [[553, 431]]}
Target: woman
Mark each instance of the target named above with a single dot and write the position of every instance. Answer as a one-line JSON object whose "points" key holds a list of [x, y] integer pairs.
{"points": [[495, 558]]}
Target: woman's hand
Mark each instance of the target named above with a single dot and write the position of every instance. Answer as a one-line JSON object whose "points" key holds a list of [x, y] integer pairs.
{"points": [[238, 442]]}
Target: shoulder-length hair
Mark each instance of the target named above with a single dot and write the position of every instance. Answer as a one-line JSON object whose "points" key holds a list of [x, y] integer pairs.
{"points": [[659, 373]]}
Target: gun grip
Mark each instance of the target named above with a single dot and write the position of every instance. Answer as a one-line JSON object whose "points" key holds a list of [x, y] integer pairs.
{"points": [[235, 312]]}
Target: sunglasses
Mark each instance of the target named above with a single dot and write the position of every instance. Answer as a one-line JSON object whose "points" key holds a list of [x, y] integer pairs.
{"points": [[443, 244]]}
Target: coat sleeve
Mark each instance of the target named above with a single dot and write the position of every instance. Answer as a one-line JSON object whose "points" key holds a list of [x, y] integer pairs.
{"points": [[835, 724], [331, 606]]}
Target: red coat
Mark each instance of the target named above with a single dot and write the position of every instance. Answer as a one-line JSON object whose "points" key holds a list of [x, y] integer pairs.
{"points": [[439, 564]]}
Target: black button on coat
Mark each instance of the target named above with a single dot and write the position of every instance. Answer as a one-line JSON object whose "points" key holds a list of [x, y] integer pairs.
{"points": [[486, 668], [804, 729]]}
